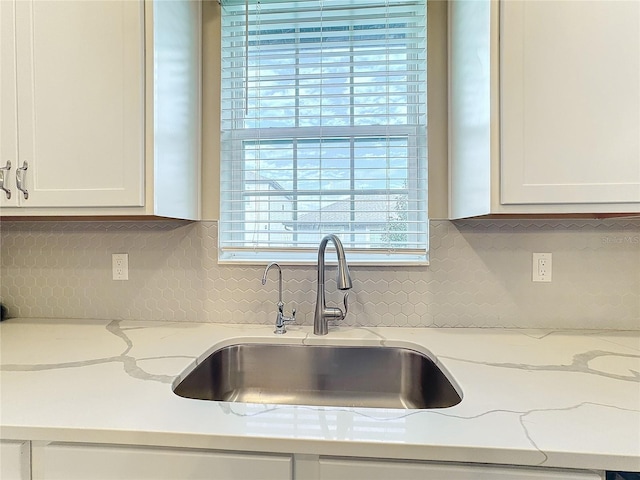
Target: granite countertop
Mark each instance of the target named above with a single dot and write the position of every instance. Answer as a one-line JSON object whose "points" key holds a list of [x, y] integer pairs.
{"points": [[530, 397]]}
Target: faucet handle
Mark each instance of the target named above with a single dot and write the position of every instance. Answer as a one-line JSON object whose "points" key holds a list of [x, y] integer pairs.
{"points": [[346, 305], [291, 319], [335, 314]]}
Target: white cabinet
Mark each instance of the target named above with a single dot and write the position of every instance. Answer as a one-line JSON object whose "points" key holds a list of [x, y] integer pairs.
{"points": [[8, 105], [15, 462], [545, 107], [76, 122], [75, 461], [345, 469], [570, 84], [66, 461], [100, 108]]}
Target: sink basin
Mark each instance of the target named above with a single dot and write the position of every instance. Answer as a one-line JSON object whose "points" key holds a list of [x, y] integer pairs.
{"points": [[345, 376]]}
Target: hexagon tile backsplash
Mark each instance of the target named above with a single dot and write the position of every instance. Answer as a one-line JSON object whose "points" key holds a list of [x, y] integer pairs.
{"points": [[480, 275]]}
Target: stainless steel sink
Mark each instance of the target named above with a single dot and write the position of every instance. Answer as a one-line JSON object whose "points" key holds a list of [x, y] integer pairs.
{"points": [[379, 377]]}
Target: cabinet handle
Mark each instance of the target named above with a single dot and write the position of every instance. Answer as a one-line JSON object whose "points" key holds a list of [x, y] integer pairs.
{"points": [[3, 176], [20, 180]]}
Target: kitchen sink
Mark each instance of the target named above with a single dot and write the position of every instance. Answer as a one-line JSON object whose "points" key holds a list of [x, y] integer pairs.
{"points": [[343, 376]]}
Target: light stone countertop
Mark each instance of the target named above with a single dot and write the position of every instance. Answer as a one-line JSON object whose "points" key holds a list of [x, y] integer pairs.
{"points": [[530, 397]]}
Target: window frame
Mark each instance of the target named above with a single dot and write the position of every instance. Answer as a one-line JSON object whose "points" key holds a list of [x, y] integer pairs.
{"points": [[416, 141]]}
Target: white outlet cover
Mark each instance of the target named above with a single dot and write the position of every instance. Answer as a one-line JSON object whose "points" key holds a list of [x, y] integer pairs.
{"points": [[120, 266], [541, 267]]}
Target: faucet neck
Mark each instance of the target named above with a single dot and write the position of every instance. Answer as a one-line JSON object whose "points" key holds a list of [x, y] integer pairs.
{"points": [[264, 279], [322, 313], [344, 278]]}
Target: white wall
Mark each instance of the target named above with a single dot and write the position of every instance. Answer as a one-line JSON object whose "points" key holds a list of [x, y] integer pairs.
{"points": [[480, 275]]}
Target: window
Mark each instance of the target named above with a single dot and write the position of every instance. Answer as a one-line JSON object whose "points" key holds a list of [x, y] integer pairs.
{"points": [[323, 129]]}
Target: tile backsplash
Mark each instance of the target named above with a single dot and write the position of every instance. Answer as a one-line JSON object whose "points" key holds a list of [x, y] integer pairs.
{"points": [[480, 275]]}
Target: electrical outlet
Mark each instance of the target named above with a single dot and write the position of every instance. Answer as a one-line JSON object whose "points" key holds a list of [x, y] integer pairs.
{"points": [[120, 266], [541, 267]]}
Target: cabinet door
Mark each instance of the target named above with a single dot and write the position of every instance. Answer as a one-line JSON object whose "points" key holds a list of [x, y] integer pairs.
{"points": [[14, 459], [570, 102], [335, 469], [8, 107], [80, 101], [63, 461]]}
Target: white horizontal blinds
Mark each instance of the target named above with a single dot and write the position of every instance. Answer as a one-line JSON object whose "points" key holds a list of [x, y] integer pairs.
{"points": [[323, 126]]}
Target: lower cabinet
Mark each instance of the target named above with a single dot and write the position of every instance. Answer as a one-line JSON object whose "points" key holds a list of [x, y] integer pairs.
{"points": [[349, 469], [74, 461], [15, 462], [67, 461]]}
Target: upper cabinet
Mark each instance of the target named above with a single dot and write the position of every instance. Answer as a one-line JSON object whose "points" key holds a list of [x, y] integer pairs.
{"points": [[100, 108], [544, 107], [73, 102]]}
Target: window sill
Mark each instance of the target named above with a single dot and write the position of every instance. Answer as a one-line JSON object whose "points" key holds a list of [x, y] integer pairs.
{"points": [[310, 258]]}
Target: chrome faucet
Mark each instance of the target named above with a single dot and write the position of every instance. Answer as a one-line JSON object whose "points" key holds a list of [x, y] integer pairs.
{"points": [[281, 319], [324, 313]]}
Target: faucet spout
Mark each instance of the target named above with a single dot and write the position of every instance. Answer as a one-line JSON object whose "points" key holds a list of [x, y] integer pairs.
{"points": [[264, 280], [322, 312], [281, 319]]}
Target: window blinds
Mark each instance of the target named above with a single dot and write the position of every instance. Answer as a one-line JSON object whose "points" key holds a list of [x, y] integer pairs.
{"points": [[323, 129]]}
